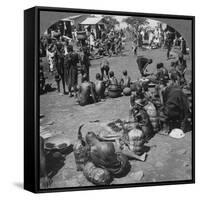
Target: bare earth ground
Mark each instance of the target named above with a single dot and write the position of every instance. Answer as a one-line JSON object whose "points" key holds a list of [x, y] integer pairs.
{"points": [[168, 159]]}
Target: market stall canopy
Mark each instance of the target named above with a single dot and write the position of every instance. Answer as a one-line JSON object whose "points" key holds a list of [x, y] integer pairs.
{"points": [[66, 19], [92, 20]]}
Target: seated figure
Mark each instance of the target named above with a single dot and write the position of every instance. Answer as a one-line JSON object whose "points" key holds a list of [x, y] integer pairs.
{"points": [[126, 80], [176, 110], [100, 86], [86, 92], [103, 155]]}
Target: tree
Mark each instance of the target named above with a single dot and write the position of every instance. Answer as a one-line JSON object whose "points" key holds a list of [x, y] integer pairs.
{"points": [[110, 22], [136, 22]]}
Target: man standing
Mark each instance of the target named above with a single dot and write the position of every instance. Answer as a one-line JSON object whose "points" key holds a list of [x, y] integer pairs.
{"points": [[142, 63], [71, 74], [181, 67], [85, 62], [169, 43], [59, 60], [104, 66]]}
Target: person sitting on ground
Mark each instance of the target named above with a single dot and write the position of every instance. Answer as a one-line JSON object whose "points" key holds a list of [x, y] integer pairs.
{"points": [[126, 80], [162, 73], [142, 63], [113, 82], [100, 86], [86, 92], [104, 66], [142, 118], [175, 108], [173, 70], [104, 155], [173, 81]]}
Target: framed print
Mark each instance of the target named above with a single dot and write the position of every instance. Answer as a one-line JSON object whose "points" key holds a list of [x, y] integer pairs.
{"points": [[108, 99]]}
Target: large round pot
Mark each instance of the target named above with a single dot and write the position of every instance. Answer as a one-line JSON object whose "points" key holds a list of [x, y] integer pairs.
{"points": [[114, 91]]}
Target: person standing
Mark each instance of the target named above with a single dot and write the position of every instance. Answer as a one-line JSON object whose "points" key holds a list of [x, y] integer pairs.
{"points": [[59, 60], [104, 66], [183, 46], [169, 44], [85, 62], [71, 77]]}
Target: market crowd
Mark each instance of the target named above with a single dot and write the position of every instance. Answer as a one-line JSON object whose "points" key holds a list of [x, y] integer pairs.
{"points": [[159, 102]]}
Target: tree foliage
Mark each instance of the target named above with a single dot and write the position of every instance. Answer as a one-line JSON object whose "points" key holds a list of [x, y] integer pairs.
{"points": [[136, 22], [110, 22]]}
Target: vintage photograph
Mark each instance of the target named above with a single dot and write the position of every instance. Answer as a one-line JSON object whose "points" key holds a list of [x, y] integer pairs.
{"points": [[115, 97]]}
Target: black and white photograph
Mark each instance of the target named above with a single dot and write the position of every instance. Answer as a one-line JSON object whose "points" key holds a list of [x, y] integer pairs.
{"points": [[115, 99]]}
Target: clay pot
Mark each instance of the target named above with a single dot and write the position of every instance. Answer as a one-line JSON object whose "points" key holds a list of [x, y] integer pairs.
{"points": [[114, 91]]}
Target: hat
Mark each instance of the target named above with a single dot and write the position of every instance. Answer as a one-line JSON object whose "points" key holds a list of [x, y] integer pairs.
{"points": [[177, 133]]}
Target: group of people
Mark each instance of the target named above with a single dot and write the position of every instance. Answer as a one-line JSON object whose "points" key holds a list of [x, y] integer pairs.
{"points": [[169, 101], [158, 38], [92, 92], [69, 64], [158, 109]]}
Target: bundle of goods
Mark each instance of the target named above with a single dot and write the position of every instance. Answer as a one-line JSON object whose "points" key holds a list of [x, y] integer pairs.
{"points": [[136, 141], [96, 175]]}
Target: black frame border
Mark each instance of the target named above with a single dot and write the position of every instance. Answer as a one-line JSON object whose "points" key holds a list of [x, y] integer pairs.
{"points": [[32, 98]]}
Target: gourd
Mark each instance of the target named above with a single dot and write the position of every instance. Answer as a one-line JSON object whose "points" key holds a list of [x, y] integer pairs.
{"points": [[152, 112], [96, 175], [136, 141], [127, 91]]}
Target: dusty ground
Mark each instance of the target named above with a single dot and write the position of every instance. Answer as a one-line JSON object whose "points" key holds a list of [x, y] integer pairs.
{"points": [[168, 159]]}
